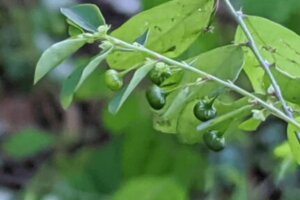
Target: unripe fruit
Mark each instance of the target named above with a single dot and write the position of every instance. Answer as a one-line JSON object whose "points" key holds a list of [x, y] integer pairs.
{"points": [[155, 97], [204, 111], [160, 73], [214, 140], [113, 80]]}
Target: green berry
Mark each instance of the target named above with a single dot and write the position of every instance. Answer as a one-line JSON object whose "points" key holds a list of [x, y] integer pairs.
{"points": [[204, 111], [156, 98], [160, 73], [214, 140], [113, 80]]}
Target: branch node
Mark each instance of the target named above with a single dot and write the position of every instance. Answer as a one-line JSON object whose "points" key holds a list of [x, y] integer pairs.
{"points": [[240, 14]]}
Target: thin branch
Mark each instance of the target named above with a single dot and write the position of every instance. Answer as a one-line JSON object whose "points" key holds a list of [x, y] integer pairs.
{"points": [[238, 16], [229, 84]]}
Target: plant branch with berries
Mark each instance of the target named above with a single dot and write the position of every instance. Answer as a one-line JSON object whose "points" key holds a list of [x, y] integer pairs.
{"points": [[149, 46]]}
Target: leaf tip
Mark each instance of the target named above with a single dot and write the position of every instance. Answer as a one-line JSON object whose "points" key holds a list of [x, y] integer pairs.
{"points": [[63, 10], [65, 104], [37, 78], [112, 109]]}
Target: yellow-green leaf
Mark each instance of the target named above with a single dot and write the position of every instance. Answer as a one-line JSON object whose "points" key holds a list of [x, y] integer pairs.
{"points": [[173, 27]]}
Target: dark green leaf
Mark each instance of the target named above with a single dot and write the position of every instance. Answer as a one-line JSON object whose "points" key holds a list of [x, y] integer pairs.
{"points": [[93, 170], [150, 4], [87, 16]]}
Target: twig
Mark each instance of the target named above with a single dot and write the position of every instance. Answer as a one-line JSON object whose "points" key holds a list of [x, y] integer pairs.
{"points": [[238, 16]]}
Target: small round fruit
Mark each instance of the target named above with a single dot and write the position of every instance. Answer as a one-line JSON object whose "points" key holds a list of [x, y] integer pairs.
{"points": [[204, 111], [214, 140], [113, 80], [160, 73], [156, 97]]}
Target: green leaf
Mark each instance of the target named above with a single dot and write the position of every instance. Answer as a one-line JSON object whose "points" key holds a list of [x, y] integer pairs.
{"points": [[73, 83], [283, 150], [287, 83], [92, 170], [250, 124], [167, 24], [87, 16], [121, 97], [277, 44], [91, 67], [294, 142], [94, 88], [74, 29], [128, 116], [55, 55], [27, 143], [225, 62], [151, 188], [165, 121], [69, 85]]}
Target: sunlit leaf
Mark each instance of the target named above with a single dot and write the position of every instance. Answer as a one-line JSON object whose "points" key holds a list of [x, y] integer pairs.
{"points": [[173, 27], [277, 44], [287, 82]]}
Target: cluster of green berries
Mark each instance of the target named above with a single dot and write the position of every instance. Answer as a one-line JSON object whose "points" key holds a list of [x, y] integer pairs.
{"points": [[203, 110], [155, 95]]}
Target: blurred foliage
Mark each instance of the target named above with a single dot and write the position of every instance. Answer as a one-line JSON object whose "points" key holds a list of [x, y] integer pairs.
{"points": [[136, 162], [27, 142]]}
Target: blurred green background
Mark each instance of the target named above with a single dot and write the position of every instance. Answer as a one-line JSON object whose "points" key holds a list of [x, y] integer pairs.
{"points": [[85, 153]]}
